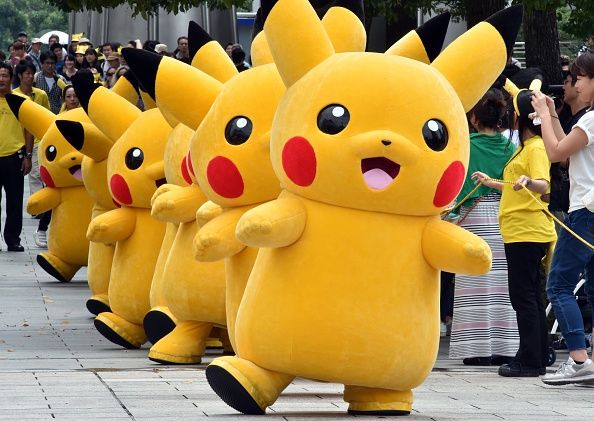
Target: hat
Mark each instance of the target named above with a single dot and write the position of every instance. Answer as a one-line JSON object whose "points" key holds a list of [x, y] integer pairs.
{"points": [[36, 41], [84, 40], [113, 56], [160, 48], [76, 37], [81, 49], [22, 34]]}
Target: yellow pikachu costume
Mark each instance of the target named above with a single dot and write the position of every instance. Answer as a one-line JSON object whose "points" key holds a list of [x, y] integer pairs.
{"points": [[368, 156], [134, 170], [64, 194]]}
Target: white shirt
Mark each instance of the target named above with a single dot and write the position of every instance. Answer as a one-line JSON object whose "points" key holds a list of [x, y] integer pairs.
{"points": [[50, 82], [581, 165]]}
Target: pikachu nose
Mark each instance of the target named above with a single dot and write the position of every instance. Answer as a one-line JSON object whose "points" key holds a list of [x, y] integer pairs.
{"points": [[387, 142]]}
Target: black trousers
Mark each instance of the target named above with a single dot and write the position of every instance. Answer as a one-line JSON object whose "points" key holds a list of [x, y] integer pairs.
{"points": [[524, 262], [446, 299], [12, 182]]}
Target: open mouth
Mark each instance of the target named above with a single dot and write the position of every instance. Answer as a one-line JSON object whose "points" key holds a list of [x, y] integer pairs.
{"points": [[379, 172], [160, 182], [76, 172]]}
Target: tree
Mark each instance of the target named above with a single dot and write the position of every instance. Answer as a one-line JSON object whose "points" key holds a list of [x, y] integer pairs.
{"points": [[12, 21]]}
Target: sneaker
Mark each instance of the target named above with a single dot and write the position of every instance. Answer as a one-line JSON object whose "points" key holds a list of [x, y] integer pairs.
{"points": [[443, 329], [40, 238], [570, 372]]}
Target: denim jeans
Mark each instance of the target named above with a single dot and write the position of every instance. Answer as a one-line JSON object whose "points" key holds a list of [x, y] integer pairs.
{"points": [[571, 258]]}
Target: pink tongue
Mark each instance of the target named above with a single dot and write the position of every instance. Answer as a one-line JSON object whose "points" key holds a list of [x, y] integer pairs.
{"points": [[377, 179], [78, 174]]}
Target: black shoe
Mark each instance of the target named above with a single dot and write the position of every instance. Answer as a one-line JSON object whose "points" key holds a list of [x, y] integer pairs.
{"points": [[501, 359], [482, 361], [515, 369], [15, 247]]}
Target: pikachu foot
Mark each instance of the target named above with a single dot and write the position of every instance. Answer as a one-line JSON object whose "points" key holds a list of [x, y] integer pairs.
{"points": [[184, 345], [98, 304], [378, 402], [244, 386], [120, 331], [158, 323], [56, 267]]}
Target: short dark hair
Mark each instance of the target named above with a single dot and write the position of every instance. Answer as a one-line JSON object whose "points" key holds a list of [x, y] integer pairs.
{"points": [[17, 45], [47, 55], [182, 37], [54, 46], [584, 64], [107, 44], [23, 66], [7, 66]]}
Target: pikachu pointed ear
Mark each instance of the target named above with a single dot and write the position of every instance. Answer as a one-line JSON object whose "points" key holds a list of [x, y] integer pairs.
{"points": [[260, 51], [471, 81], [127, 87], [208, 55], [34, 117], [424, 43], [111, 113], [297, 39], [183, 93], [86, 138], [148, 102], [344, 24]]}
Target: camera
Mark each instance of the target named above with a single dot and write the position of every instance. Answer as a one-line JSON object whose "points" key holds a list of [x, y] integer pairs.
{"points": [[556, 92]]}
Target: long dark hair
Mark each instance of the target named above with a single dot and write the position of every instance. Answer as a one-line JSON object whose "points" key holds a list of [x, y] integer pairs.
{"points": [[489, 112]]}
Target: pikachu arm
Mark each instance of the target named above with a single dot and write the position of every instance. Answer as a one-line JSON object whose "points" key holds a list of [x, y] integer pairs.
{"points": [[208, 211], [216, 239], [165, 188], [277, 223], [115, 225], [178, 205], [43, 200], [450, 248]]}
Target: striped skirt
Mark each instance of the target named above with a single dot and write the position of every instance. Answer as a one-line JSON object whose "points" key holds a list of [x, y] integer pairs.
{"points": [[484, 322]]}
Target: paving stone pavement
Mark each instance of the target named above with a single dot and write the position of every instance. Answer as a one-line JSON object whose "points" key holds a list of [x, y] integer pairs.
{"points": [[55, 366]]}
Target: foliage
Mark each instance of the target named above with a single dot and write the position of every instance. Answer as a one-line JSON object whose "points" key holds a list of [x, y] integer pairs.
{"points": [[31, 16]]}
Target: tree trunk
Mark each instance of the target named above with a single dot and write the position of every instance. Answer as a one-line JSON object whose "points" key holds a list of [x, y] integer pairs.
{"points": [[478, 11], [542, 43]]}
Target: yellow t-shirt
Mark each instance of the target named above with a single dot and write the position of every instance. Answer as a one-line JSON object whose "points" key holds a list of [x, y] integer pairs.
{"points": [[521, 219], [38, 96], [12, 136]]}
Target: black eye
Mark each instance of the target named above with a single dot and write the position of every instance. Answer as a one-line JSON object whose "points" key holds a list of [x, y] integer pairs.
{"points": [[50, 152], [238, 130], [134, 158], [435, 134], [333, 119]]}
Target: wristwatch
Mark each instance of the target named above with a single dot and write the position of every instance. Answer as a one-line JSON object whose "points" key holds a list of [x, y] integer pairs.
{"points": [[28, 155]]}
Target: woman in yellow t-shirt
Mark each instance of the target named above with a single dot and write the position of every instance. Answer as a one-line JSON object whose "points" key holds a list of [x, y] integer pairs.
{"points": [[527, 234]]}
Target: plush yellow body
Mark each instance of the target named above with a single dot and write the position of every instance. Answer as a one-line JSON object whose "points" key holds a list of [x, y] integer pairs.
{"points": [[369, 149], [64, 194]]}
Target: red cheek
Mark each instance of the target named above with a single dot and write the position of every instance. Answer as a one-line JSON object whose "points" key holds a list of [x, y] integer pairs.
{"points": [[299, 161], [184, 170], [450, 184], [224, 178], [46, 177], [190, 166], [119, 189]]}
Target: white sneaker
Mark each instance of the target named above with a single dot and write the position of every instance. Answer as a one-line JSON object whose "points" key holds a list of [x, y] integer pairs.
{"points": [[570, 372], [40, 238]]}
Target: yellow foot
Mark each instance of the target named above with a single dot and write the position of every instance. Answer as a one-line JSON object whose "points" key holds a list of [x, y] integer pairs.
{"points": [[98, 303], [157, 323], [59, 269], [184, 345], [120, 331], [372, 401], [244, 386]]}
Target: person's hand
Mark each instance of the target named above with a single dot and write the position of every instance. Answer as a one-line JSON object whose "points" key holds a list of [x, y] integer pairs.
{"points": [[523, 180], [26, 165], [480, 177], [543, 104]]}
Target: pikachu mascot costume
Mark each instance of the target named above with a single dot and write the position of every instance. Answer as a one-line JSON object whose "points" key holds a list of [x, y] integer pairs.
{"points": [[64, 194], [354, 244], [134, 172]]}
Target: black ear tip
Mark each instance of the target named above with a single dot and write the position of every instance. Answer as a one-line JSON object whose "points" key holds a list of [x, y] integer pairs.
{"points": [[266, 6], [432, 34], [84, 86], [197, 38], [131, 78], [508, 22], [14, 102], [145, 65], [72, 131]]}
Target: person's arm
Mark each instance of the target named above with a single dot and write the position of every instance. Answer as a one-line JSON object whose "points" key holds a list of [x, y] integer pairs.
{"points": [[481, 177], [539, 186], [558, 149], [26, 163]]}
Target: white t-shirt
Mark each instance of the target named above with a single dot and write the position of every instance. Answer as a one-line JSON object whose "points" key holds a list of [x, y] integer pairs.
{"points": [[581, 165], [50, 82]]}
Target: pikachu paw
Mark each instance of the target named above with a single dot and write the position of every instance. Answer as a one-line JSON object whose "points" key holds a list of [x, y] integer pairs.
{"points": [[253, 228], [204, 246], [480, 253], [161, 190], [96, 231], [207, 212], [161, 208]]}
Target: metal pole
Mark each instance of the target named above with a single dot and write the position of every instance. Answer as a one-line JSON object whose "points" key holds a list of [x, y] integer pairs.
{"points": [[71, 22], [234, 25], [206, 17], [419, 17]]}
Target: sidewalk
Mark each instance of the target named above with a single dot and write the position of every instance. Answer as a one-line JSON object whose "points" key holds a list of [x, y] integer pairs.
{"points": [[54, 365]]}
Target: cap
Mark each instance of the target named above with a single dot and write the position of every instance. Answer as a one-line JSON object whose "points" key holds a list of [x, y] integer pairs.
{"points": [[21, 34], [160, 48], [113, 56], [81, 49], [36, 41], [84, 40]]}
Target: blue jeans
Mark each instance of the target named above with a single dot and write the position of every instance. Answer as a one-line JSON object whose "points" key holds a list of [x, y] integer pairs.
{"points": [[570, 259]]}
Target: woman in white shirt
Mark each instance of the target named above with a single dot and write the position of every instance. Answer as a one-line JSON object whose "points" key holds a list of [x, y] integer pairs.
{"points": [[571, 257]]}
